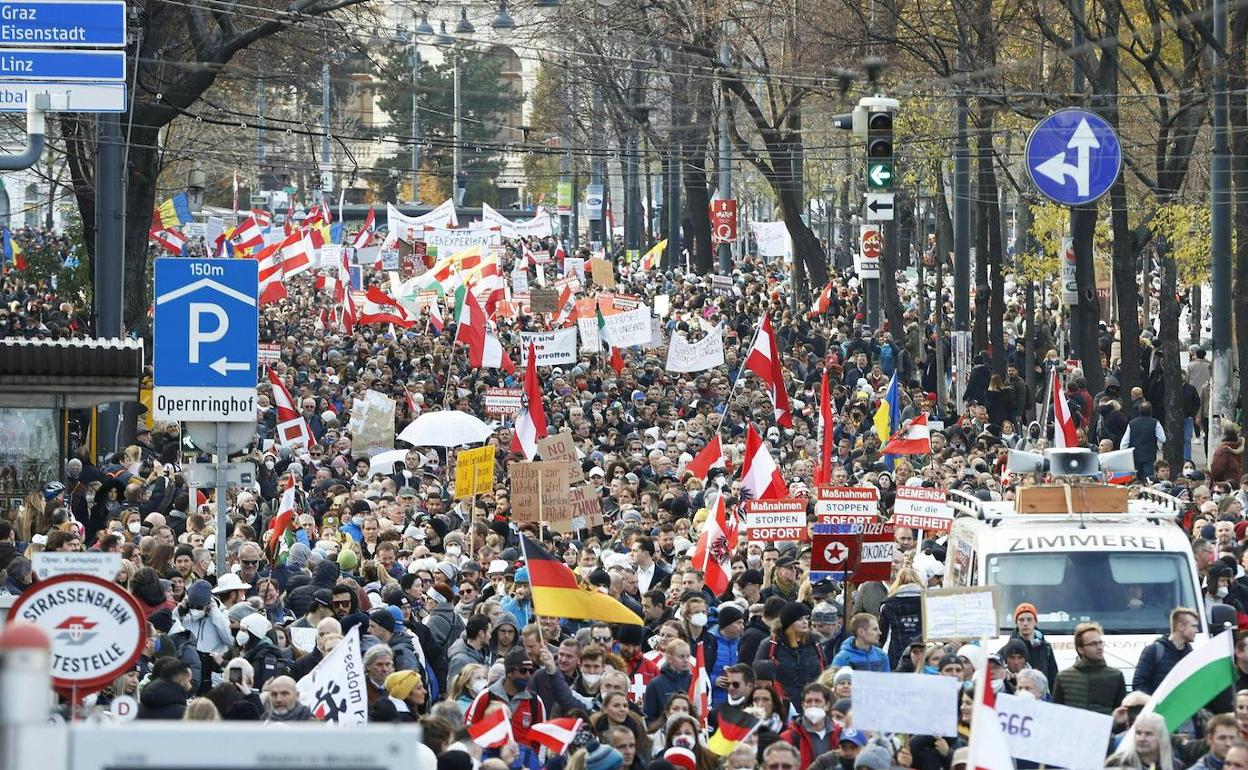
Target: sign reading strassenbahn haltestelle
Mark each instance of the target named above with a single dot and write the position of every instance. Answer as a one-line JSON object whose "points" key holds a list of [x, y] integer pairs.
{"points": [[97, 629]]}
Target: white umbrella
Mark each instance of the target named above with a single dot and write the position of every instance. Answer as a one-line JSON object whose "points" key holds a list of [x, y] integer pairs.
{"points": [[446, 428]]}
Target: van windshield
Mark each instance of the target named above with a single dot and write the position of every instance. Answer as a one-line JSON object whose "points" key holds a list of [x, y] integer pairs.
{"points": [[1126, 592]]}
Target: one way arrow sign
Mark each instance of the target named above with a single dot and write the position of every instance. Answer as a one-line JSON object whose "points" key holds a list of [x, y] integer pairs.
{"points": [[879, 207]]}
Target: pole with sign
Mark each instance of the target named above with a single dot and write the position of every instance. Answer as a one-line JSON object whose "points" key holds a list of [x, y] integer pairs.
{"points": [[205, 349]]}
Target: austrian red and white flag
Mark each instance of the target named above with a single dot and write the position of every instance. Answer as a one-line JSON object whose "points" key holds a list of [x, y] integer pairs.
{"points": [[365, 235], [271, 273], [297, 253], [380, 308], [914, 439], [989, 749], [1063, 424], [764, 360], [492, 731], [350, 315], [292, 429], [760, 476], [531, 422], [711, 456], [822, 303], [171, 241], [556, 734], [248, 234], [700, 685], [713, 552]]}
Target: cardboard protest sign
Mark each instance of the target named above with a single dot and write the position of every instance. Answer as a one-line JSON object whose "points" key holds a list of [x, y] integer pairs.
{"points": [[474, 471], [544, 300], [602, 272], [540, 491]]}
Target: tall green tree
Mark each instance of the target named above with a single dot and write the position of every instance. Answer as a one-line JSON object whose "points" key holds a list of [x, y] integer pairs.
{"points": [[485, 105]]}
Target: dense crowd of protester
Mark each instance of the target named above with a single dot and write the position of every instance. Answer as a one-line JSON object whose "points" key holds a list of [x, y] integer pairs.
{"points": [[438, 591]]}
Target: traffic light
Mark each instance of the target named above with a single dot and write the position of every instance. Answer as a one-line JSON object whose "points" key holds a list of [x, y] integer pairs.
{"points": [[880, 135]]}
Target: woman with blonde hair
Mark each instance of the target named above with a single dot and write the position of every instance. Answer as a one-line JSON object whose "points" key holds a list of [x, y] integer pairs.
{"points": [[1151, 749], [471, 679], [901, 613], [201, 710]]}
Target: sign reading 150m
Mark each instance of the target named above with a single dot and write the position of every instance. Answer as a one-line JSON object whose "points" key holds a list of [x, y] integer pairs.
{"points": [[206, 340]]}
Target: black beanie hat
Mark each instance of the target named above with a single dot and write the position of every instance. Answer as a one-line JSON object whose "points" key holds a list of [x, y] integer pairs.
{"points": [[792, 612]]}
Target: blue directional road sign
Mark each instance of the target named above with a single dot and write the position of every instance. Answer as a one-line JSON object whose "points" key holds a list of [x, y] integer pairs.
{"points": [[205, 340], [1073, 156], [96, 24], [61, 65]]}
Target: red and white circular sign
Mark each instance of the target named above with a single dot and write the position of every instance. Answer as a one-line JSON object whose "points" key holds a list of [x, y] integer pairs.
{"points": [[97, 629]]}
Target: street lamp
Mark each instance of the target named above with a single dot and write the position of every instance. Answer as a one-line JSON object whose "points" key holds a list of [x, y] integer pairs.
{"points": [[463, 29], [195, 182], [503, 20], [424, 30]]}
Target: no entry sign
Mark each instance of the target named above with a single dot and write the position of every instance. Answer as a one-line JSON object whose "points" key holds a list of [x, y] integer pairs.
{"points": [[774, 520]]}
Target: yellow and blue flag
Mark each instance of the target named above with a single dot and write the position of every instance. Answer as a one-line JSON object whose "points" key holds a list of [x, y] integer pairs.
{"points": [[12, 250], [174, 212], [888, 413]]}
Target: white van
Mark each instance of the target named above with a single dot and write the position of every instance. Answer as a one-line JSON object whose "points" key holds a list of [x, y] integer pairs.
{"points": [[1125, 569]]}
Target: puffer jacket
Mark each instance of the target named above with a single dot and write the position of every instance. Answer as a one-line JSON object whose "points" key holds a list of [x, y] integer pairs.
{"points": [[795, 666], [901, 620], [873, 659], [1090, 685]]}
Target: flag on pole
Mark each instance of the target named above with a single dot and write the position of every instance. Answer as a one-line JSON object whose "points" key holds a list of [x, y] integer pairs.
{"points": [[556, 591], [989, 749], [1063, 424], [735, 725], [280, 528], [888, 413], [292, 428], [271, 287], [760, 476], [1196, 679], [531, 422], [12, 250], [493, 731], [716, 542], [700, 685], [365, 235], [172, 241], [556, 734], [617, 361], [711, 456], [381, 308], [914, 439], [764, 360], [174, 212], [297, 253], [651, 259], [823, 474], [335, 690], [822, 303]]}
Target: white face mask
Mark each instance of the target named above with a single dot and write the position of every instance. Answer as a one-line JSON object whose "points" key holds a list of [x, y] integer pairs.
{"points": [[698, 619], [814, 714], [737, 701], [198, 614], [591, 680], [454, 550], [476, 686], [683, 740], [1223, 591], [134, 527], [755, 562], [242, 637]]}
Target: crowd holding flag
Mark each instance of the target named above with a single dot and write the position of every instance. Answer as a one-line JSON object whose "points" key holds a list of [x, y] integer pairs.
{"points": [[764, 360], [531, 421], [556, 591]]}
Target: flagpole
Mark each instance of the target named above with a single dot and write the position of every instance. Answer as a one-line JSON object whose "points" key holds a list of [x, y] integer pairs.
{"points": [[740, 373], [525, 553]]}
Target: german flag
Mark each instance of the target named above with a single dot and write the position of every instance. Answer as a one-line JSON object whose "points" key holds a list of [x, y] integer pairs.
{"points": [[735, 725], [556, 591]]}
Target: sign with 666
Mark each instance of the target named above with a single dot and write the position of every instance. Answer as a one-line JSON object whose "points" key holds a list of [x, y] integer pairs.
{"points": [[1053, 735]]}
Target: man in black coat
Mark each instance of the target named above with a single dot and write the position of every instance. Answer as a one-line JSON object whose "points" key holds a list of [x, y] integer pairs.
{"points": [[165, 696]]}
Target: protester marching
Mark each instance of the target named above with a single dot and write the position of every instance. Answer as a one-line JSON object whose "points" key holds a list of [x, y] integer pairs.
{"points": [[568, 511]]}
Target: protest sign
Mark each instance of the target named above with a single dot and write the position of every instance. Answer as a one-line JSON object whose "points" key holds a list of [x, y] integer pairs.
{"points": [[959, 613], [656, 333], [575, 266], [859, 551], [588, 327], [544, 300], [503, 402], [922, 508], [331, 257], [1047, 733], [686, 356], [447, 241], [775, 520], [623, 302], [628, 328], [540, 491], [268, 353], [519, 280], [474, 471], [913, 704], [554, 348], [337, 690], [602, 272], [846, 505], [722, 285], [372, 421], [558, 446], [662, 305], [586, 511]]}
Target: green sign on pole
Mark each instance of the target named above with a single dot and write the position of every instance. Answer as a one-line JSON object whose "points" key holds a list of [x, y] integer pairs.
{"points": [[879, 175]]}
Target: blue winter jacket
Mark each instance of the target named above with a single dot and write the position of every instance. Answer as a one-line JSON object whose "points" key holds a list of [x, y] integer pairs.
{"points": [[873, 659]]}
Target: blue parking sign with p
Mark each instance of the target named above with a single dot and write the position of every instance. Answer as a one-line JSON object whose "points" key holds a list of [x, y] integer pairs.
{"points": [[205, 339]]}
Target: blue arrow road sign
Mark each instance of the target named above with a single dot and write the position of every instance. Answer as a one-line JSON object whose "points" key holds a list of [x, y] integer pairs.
{"points": [[53, 64], [206, 339], [1073, 156], [99, 24]]}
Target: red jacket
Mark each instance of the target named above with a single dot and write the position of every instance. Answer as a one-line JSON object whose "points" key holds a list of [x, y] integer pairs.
{"points": [[524, 713], [799, 736]]}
